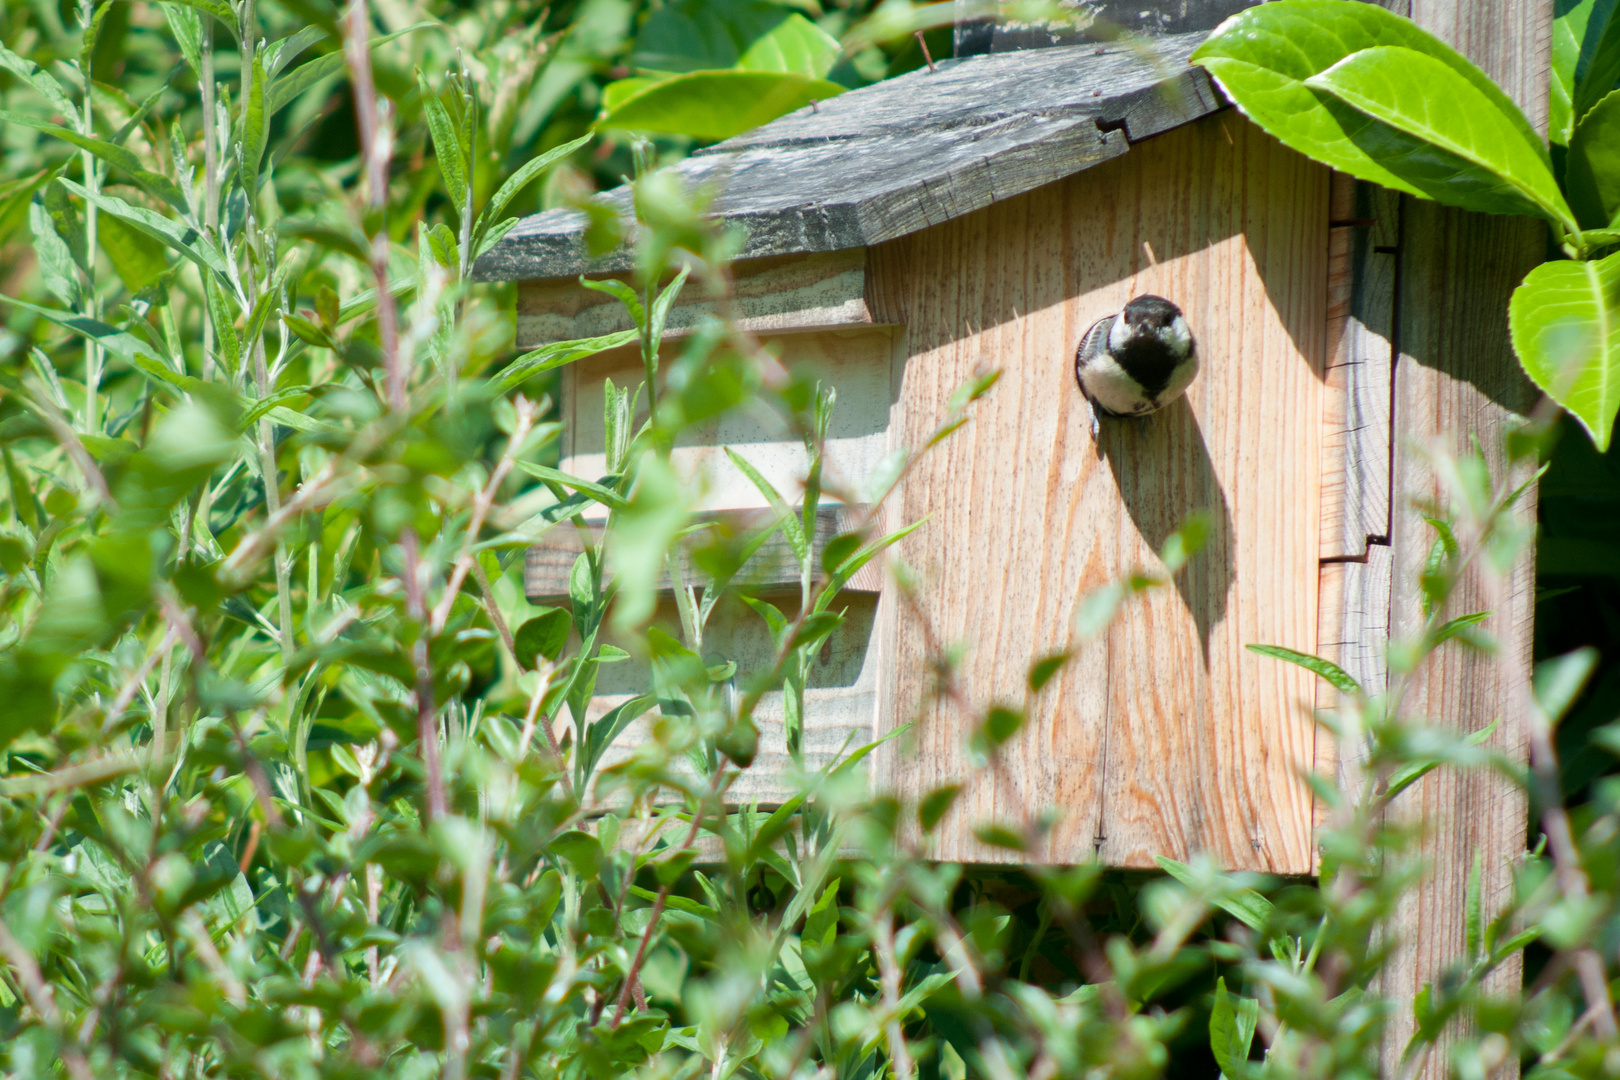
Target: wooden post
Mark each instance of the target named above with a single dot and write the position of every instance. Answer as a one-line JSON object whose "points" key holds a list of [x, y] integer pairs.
{"points": [[1455, 378]]}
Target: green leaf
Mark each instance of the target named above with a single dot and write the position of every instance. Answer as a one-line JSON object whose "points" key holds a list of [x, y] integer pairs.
{"points": [[122, 158], [136, 258], [934, 805], [794, 46], [57, 266], [580, 849], [1042, 670], [689, 35], [219, 9], [1245, 905], [716, 104], [601, 733], [1592, 167], [1565, 324], [255, 129], [448, 151], [1264, 56], [607, 497], [1429, 100], [306, 75], [792, 527], [1558, 682], [40, 79], [544, 635], [1601, 70], [1231, 1029], [1576, 31], [1327, 669], [555, 355], [526, 174], [185, 240]]}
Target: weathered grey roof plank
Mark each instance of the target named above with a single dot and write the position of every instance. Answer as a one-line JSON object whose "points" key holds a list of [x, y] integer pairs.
{"points": [[898, 156]]}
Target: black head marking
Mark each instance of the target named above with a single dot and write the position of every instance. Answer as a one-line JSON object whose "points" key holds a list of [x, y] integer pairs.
{"points": [[1150, 312]]}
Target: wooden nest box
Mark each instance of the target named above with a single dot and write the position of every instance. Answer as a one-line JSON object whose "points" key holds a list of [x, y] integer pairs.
{"points": [[985, 215]]}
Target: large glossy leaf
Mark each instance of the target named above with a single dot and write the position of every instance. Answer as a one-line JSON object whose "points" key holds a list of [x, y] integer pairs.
{"points": [[795, 45], [1592, 167], [716, 104], [1422, 97], [1575, 34], [1597, 75], [694, 35], [1565, 322], [1264, 56]]}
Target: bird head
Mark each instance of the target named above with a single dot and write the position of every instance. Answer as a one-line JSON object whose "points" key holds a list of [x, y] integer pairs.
{"points": [[1150, 318]]}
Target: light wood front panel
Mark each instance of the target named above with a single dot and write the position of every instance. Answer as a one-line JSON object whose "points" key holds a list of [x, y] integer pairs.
{"points": [[1165, 736]]}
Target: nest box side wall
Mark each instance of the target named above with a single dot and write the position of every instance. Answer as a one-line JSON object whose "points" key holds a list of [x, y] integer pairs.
{"points": [[1165, 736]]}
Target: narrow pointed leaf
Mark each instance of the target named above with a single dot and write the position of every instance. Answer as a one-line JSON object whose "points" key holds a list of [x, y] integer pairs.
{"points": [[122, 158], [1336, 676]]}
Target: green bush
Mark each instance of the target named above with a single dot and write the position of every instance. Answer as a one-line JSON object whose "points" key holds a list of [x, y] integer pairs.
{"points": [[297, 783]]}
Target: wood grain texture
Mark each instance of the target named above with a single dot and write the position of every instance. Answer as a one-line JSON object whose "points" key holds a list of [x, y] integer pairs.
{"points": [[840, 697], [1456, 379], [854, 362], [1361, 312], [770, 570], [1165, 736], [793, 292], [904, 154]]}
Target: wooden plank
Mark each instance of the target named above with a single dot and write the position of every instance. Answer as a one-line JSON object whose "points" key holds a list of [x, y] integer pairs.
{"points": [[771, 569], [1455, 379], [1353, 633], [791, 292], [1364, 238], [904, 154], [1165, 737], [840, 697], [854, 362]]}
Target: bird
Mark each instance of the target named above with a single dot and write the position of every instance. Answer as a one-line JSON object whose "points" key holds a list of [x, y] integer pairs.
{"points": [[1136, 361]]}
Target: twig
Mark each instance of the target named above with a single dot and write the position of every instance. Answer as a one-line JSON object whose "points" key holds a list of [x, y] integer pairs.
{"points": [[481, 504], [632, 977], [427, 712], [889, 977]]}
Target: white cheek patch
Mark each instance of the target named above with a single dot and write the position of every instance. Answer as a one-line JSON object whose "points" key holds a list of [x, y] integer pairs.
{"points": [[1119, 333], [1177, 335]]}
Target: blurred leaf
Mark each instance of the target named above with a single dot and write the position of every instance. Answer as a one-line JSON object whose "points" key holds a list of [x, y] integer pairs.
{"points": [[543, 635], [688, 35], [794, 46], [1231, 1030], [716, 104]]}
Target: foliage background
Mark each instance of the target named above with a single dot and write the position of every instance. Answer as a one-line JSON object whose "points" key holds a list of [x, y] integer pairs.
{"points": [[538, 74]]}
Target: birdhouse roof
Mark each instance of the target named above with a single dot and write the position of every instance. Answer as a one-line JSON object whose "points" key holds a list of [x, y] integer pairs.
{"points": [[901, 155]]}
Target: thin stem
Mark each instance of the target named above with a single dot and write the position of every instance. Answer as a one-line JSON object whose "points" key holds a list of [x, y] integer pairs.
{"points": [[210, 205], [92, 184]]}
